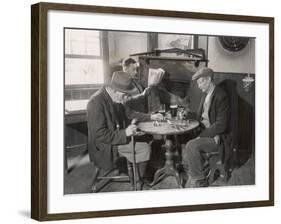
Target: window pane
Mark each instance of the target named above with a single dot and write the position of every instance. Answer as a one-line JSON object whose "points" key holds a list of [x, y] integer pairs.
{"points": [[82, 42], [83, 71]]}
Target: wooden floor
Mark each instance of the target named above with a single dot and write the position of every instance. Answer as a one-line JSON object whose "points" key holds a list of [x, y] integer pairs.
{"points": [[79, 180]]}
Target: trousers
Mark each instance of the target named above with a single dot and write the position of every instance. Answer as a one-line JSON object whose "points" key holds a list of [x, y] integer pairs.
{"points": [[142, 150], [192, 157]]}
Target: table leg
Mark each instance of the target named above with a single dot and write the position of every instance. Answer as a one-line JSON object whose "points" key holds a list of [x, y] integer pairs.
{"points": [[169, 168]]}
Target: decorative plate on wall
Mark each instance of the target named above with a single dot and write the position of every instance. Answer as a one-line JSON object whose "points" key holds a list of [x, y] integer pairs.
{"points": [[233, 44]]}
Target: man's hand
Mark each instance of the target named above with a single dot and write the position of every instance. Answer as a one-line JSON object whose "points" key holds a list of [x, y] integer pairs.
{"points": [[168, 116], [156, 117], [131, 130], [217, 139], [146, 91]]}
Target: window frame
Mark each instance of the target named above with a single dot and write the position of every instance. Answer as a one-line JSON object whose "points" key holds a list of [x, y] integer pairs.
{"points": [[103, 56]]}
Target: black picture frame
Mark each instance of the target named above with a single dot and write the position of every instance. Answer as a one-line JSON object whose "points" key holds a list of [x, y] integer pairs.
{"points": [[39, 108]]}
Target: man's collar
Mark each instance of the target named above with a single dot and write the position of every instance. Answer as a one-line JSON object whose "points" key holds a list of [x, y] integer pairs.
{"points": [[107, 92], [211, 89]]}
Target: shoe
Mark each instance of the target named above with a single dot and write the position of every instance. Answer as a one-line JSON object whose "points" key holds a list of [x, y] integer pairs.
{"points": [[146, 187], [140, 185], [191, 183], [220, 181]]}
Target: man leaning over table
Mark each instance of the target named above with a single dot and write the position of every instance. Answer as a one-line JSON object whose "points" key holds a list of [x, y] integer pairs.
{"points": [[213, 114], [110, 128]]}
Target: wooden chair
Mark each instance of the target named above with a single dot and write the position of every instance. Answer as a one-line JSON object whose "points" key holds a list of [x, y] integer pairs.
{"points": [[101, 178]]}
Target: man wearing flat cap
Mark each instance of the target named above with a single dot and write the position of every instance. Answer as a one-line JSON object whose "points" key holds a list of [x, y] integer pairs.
{"points": [[110, 128], [213, 115]]}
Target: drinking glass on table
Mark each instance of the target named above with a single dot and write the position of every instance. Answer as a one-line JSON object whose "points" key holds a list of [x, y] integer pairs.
{"points": [[174, 110], [162, 109]]}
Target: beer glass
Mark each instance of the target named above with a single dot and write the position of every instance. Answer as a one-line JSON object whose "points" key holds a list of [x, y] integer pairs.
{"points": [[174, 110]]}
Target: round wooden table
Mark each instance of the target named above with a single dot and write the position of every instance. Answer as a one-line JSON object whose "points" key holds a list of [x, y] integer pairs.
{"points": [[166, 128]]}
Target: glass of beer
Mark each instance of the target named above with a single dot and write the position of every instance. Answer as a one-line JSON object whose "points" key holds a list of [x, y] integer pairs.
{"points": [[174, 110], [162, 109]]}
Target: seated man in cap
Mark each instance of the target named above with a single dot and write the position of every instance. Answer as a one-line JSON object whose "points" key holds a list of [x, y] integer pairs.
{"points": [[213, 115], [110, 128]]}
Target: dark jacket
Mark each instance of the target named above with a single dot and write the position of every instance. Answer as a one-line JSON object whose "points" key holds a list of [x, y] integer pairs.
{"points": [[219, 116], [218, 113], [106, 129], [139, 102]]}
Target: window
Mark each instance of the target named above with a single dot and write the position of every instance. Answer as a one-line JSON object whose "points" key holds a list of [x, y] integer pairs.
{"points": [[84, 57]]}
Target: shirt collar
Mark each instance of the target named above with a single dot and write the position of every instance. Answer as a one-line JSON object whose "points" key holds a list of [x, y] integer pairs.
{"points": [[211, 90]]}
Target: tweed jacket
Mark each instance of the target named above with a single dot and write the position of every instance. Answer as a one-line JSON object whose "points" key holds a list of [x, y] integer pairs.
{"points": [[106, 130], [219, 116], [218, 113]]}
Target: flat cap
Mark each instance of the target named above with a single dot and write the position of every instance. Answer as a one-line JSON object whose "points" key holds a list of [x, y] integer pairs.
{"points": [[203, 72]]}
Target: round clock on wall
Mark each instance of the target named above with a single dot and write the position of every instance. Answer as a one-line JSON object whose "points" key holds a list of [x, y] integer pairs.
{"points": [[233, 44]]}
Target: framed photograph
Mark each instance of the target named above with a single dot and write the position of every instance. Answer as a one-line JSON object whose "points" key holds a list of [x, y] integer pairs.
{"points": [[139, 111]]}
